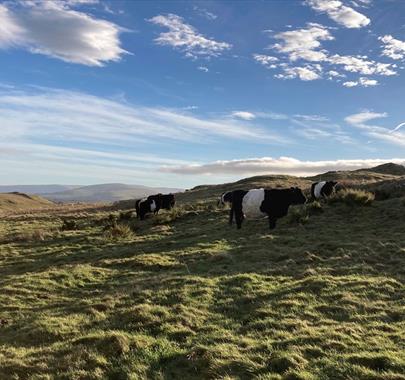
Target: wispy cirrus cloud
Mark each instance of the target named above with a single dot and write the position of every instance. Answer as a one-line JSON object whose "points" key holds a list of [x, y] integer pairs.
{"points": [[54, 29], [340, 13], [76, 116], [270, 165], [184, 37], [362, 121], [64, 134]]}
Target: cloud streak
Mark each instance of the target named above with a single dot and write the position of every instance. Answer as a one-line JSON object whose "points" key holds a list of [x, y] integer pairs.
{"points": [[281, 165], [361, 121]]}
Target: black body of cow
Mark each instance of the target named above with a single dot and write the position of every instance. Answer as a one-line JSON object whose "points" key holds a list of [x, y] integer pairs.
{"points": [[275, 204], [144, 206], [327, 189]]}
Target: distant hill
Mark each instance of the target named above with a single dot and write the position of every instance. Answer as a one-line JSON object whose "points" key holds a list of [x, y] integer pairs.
{"points": [[36, 189], [20, 201], [389, 168], [110, 192]]}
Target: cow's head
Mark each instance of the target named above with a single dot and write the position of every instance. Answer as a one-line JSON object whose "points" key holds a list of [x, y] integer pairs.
{"points": [[297, 197], [172, 200], [329, 187], [225, 198]]}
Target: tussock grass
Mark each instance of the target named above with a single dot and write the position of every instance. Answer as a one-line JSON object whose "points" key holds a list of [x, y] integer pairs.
{"points": [[353, 197], [118, 231], [189, 297]]}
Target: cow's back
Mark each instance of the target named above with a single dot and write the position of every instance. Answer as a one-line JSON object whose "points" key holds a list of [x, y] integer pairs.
{"points": [[251, 203]]}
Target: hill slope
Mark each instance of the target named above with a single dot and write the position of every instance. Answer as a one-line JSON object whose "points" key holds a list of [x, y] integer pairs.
{"points": [[188, 297], [348, 178], [20, 201]]}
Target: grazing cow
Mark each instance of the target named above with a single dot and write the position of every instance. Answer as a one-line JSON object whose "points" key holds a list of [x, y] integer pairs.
{"points": [[322, 189], [154, 203], [257, 203]]}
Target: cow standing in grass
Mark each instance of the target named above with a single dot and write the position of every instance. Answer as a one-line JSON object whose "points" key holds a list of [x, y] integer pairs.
{"points": [[259, 203], [322, 189], [154, 203]]}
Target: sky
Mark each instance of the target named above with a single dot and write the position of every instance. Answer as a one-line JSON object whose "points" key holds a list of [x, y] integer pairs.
{"points": [[181, 93]]}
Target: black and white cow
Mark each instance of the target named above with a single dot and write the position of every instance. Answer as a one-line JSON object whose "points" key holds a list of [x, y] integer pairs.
{"points": [[257, 203], [153, 203], [322, 189]]}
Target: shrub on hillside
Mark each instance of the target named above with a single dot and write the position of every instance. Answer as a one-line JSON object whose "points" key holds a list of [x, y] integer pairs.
{"points": [[297, 215], [353, 197], [314, 207], [118, 231], [69, 225]]}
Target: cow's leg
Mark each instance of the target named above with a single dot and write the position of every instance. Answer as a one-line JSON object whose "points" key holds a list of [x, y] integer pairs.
{"points": [[272, 222], [239, 218], [231, 216]]}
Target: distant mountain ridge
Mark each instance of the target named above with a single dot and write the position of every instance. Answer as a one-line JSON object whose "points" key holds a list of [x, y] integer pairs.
{"points": [[36, 189], [108, 192]]}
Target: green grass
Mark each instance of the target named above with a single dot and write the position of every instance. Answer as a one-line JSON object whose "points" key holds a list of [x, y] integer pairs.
{"points": [[185, 296]]}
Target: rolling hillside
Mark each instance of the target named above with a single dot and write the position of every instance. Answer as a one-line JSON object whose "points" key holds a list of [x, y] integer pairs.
{"points": [[20, 201], [368, 178], [184, 295]]}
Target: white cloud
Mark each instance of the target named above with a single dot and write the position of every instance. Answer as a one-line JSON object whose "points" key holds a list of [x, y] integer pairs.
{"points": [[363, 82], [281, 165], [340, 13], [363, 117], [243, 115], [203, 68], [350, 84], [56, 30], [185, 38], [266, 60], [392, 47], [312, 117], [305, 73], [335, 74], [303, 43], [362, 65], [205, 13]]}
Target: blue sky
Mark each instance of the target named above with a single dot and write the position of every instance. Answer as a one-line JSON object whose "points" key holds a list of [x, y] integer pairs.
{"points": [[182, 93]]}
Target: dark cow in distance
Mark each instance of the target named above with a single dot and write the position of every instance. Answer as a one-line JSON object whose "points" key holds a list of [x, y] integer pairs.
{"points": [[257, 203], [322, 189], [153, 203]]}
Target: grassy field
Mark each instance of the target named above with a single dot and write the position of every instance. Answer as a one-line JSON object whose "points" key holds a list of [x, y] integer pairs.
{"points": [[185, 296]]}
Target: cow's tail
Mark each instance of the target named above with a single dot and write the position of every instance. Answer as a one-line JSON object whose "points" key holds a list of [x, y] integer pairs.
{"points": [[137, 208], [313, 191]]}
